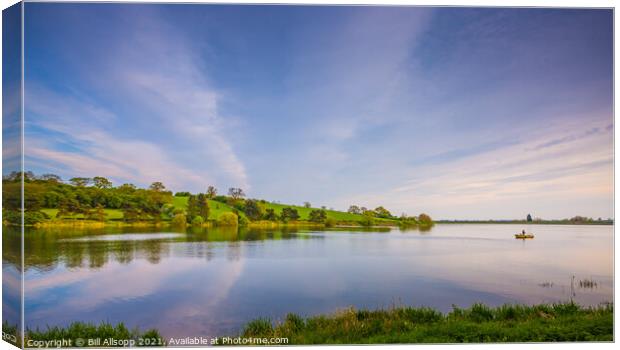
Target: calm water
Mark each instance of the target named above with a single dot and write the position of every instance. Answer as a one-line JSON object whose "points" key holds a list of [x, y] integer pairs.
{"points": [[210, 282]]}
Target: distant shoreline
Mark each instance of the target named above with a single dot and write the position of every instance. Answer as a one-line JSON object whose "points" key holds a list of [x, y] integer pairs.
{"points": [[524, 222]]}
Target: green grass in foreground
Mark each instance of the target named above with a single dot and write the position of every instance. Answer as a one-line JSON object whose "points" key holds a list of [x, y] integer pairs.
{"points": [[479, 323]]}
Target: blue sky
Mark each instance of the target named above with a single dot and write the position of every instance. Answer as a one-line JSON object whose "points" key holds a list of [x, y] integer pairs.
{"points": [[458, 112]]}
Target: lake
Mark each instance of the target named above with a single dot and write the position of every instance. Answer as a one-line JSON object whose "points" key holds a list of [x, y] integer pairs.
{"points": [[209, 282]]}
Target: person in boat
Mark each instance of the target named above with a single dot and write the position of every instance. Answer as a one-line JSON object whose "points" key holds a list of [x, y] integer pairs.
{"points": [[522, 232]]}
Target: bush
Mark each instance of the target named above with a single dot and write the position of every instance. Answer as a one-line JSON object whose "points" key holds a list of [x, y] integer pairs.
{"points": [[270, 215], [425, 220], [32, 217], [243, 221], [367, 220], [228, 219], [198, 220], [253, 209], [317, 215], [330, 222], [179, 220], [289, 214]]}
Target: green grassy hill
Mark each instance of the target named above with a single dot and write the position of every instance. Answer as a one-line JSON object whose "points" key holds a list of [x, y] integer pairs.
{"points": [[219, 208], [331, 214], [215, 208]]}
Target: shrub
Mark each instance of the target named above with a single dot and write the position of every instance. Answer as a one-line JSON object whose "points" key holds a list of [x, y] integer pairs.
{"points": [[425, 220], [228, 219], [198, 220], [254, 209], [179, 220], [330, 222], [270, 215], [367, 220], [32, 217], [243, 221], [289, 214], [317, 215]]}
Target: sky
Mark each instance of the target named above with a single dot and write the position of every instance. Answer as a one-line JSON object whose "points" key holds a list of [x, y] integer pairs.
{"points": [[462, 113]]}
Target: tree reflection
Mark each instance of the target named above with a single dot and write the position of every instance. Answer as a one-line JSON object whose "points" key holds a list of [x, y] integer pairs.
{"points": [[93, 248]]}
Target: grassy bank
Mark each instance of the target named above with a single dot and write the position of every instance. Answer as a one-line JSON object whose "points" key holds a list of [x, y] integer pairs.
{"points": [[479, 323], [476, 324]]}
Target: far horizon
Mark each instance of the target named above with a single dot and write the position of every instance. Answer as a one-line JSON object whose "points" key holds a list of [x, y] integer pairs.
{"points": [[455, 112]]}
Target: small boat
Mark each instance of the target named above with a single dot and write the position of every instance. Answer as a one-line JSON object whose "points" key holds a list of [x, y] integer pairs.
{"points": [[524, 235]]}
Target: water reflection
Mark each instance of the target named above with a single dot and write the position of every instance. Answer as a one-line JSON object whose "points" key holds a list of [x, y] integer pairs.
{"points": [[211, 281], [83, 247]]}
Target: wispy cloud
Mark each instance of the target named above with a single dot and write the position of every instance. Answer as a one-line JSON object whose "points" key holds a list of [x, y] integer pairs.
{"points": [[458, 112], [158, 75], [507, 179]]}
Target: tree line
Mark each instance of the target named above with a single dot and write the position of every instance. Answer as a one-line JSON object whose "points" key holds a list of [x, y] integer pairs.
{"points": [[90, 197]]}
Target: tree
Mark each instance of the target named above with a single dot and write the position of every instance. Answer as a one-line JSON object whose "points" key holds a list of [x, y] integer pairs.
{"points": [[307, 205], [236, 193], [127, 188], [289, 214], [130, 212], [529, 217], [425, 220], [370, 213], [51, 178], [354, 209], [368, 219], [98, 213], [270, 214], [228, 219], [101, 182], [80, 181], [203, 206], [211, 192], [253, 209], [317, 216], [382, 212], [197, 206], [197, 220], [179, 220], [68, 207], [192, 208], [157, 187]]}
